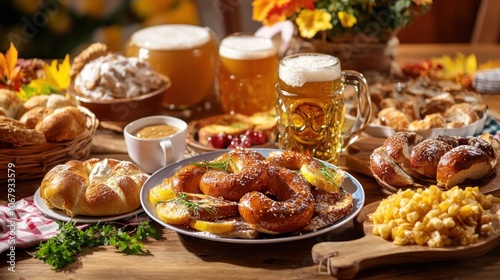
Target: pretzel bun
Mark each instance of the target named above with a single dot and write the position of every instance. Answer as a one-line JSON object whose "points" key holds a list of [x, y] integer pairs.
{"points": [[387, 170], [93, 187], [426, 155], [461, 164], [445, 160], [63, 124]]}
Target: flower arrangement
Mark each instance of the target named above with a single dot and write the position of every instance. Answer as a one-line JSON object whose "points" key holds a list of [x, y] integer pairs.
{"points": [[19, 77], [333, 18]]}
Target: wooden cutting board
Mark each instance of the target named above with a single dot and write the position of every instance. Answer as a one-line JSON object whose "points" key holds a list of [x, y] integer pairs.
{"points": [[344, 260]]}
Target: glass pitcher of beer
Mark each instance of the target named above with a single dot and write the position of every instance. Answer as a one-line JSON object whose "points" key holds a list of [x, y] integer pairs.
{"points": [[187, 54], [311, 107], [248, 72]]}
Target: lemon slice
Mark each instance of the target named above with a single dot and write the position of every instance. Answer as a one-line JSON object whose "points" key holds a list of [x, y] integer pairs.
{"points": [[162, 192], [324, 178], [173, 213], [212, 227]]}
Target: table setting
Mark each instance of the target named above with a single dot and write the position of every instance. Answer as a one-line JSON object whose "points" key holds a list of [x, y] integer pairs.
{"points": [[186, 156]]}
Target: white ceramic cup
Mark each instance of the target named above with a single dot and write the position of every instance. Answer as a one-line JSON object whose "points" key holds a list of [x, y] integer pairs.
{"points": [[153, 154]]}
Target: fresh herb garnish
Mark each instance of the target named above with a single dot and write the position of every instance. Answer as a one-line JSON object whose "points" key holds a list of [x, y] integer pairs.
{"points": [[328, 173], [221, 165], [195, 206], [62, 249]]}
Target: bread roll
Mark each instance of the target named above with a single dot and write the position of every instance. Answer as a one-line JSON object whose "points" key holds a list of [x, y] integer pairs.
{"points": [[393, 118], [9, 103], [93, 187], [460, 115], [399, 147], [425, 156], [462, 164], [387, 170], [429, 122], [35, 116], [63, 124], [52, 101], [16, 133]]}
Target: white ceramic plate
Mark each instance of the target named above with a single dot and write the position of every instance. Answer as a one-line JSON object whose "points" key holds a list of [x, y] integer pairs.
{"points": [[60, 215], [350, 184]]}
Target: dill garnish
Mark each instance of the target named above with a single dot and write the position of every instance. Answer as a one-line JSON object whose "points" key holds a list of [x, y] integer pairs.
{"points": [[195, 206], [221, 165]]}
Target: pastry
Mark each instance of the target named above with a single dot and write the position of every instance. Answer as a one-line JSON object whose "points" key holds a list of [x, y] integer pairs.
{"points": [[93, 187], [63, 124], [9, 103]]}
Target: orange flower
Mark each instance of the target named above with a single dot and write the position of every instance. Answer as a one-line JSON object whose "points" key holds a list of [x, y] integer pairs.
{"points": [[10, 75], [270, 12]]}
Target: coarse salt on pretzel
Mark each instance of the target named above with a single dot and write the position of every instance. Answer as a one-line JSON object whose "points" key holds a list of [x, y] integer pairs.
{"points": [[245, 172], [292, 210]]}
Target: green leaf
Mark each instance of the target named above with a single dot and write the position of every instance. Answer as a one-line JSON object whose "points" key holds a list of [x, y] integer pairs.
{"points": [[62, 249]]}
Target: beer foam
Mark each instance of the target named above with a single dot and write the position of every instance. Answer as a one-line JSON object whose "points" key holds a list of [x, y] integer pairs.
{"points": [[171, 37], [246, 47], [296, 71]]}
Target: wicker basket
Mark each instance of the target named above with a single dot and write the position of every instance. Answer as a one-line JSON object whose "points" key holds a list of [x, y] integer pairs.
{"points": [[31, 162]]}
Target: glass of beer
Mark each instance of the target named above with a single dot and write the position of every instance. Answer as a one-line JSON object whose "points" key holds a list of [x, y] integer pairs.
{"points": [[311, 109], [187, 54], [248, 70]]}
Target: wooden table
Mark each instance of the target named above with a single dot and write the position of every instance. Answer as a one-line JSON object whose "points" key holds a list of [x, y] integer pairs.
{"points": [[184, 257]]}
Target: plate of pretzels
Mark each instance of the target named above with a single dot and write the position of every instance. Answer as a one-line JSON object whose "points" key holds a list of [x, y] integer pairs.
{"points": [[252, 196]]}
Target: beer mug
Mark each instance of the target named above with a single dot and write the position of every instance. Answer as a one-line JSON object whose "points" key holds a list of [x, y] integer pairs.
{"points": [[187, 54], [248, 70], [311, 106]]}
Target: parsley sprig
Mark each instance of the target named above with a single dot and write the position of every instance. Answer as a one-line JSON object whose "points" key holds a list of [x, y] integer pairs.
{"points": [[63, 248]]}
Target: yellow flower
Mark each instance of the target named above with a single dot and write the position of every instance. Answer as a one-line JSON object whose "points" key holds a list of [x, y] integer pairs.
{"points": [[57, 80], [58, 75], [458, 66], [310, 22], [346, 20]]}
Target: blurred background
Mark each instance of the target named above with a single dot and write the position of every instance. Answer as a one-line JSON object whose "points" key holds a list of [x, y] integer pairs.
{"points": [[53, 28]]}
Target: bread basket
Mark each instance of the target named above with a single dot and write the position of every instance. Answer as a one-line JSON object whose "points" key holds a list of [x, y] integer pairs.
{"points": [[32, 162]]}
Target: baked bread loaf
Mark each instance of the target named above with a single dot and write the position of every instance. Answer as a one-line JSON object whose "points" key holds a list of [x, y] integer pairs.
{"points": [[421, 97], [463, 164], [35, 116], [445, 160], [93, 187], [17, 134], [51, 101], [388, 171], [41, 119], [63, 124], [9, 103], [426, 155]]}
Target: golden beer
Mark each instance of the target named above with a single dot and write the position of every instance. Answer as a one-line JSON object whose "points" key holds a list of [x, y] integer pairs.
{"points": [[187, 54], [247, 74], [311, 106]]}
